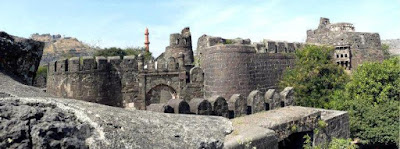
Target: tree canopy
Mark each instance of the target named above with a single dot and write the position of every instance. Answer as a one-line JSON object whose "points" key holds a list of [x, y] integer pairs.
{"points": [[371, 94], [372, 99], [114, 51], [314, 77]]}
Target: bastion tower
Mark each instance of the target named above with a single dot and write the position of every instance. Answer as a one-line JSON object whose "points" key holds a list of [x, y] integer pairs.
{"points": [[180, 43]]}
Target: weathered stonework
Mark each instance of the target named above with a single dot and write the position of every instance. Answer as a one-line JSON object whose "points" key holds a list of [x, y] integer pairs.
{"points": [[286, 127], [130, 80], [239, 68], [359, 46], [20, 57]]}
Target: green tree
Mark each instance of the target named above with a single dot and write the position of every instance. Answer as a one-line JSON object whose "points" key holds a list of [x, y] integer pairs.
{"points": [[314, 77], [372, 99], [385, 50], [114, 51]]}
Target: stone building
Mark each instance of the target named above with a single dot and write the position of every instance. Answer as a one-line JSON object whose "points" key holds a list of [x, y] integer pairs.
{"points": [[351, 48], [232, 66], [235, 66], [130, 80]]}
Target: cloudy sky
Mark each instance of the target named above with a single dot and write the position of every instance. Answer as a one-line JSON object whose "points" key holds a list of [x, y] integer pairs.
{"points": [[121, 23]]}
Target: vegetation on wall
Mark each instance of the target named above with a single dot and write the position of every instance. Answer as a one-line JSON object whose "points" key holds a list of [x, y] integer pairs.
{"points": [[371, 95]]}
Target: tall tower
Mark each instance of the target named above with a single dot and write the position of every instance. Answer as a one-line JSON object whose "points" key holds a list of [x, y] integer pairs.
{"points": [[146, 39]]}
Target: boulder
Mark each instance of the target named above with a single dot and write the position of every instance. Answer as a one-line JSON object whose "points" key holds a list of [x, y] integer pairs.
{"points": [[20, 57]]}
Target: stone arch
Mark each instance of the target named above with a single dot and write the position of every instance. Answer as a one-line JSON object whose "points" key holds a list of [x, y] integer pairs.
{"points": [[154, 95]]}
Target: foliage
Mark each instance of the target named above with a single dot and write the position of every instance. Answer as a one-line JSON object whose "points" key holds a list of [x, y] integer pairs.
{"points": [[385, 50], [228, 41], [372, 99], [42, 71], [196, 61], [334, 144], [314, 77], [114, 51], [322, 124], [341, 144]]}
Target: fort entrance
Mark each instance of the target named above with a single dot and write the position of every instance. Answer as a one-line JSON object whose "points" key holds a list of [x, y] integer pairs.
{"points": [[160, 94]]}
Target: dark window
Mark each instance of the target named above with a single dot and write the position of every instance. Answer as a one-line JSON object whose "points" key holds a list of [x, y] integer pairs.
{"points": [[266, 106], [248, 110], [282, 104]]}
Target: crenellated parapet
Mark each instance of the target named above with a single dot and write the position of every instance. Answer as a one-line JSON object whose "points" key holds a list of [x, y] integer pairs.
{"points": [[88, 64], [269, 46], [235, 106]]}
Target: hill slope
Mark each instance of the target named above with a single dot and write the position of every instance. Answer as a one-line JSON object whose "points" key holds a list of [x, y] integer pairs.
{"points": [[58, 47]]}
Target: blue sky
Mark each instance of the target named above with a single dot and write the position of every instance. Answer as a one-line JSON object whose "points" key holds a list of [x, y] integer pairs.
{"points": [[121, 23]]}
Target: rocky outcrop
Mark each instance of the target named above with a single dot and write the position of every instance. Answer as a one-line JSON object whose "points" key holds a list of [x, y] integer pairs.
{"points": [[20, 57], [31, 118]]}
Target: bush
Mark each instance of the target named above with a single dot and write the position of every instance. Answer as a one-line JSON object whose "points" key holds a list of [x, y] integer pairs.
{"points": [[314, 77], [42, 71], [114, 51], [372, 99]]}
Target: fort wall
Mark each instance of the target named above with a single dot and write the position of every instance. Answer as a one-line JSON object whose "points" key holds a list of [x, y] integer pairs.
{"points": [[94, 79], [240, 67]]}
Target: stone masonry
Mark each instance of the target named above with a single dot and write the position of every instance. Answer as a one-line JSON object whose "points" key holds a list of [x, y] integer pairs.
{"points": [[351, 48], [234, 66], [130, 80]]}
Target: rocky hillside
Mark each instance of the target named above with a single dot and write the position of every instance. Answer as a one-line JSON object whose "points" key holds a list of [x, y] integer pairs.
{"points": [[57, 47], [394, 45]]}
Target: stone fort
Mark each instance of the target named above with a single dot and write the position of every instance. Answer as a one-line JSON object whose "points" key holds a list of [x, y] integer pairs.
{"points": [[228, 68], [234, 78], [351, 48]]}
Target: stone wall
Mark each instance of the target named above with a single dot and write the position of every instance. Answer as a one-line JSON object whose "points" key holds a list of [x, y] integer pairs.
{"points": [[286, 127], [239, 68], [236, 106], [91, 79], [363, 46], [20, 57]]}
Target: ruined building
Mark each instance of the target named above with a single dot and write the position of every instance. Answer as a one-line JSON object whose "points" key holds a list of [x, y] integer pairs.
{"points": [[228, 67], [351, 48], [121, 82]]}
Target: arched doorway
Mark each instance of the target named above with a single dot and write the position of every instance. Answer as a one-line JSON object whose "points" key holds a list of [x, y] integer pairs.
{"points": [[160, 94]]}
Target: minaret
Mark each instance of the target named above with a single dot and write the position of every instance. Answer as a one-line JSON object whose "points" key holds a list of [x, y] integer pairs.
{"points": [[146, 39]]}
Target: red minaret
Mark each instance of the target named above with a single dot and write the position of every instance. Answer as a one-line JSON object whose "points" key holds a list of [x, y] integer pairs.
{"points": [[146, 39]]}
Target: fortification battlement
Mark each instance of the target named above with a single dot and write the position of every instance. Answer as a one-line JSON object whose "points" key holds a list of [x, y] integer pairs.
{"points": [[235, 106], [89, 63], [205, 43], [270, 46], [169, 65]]}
